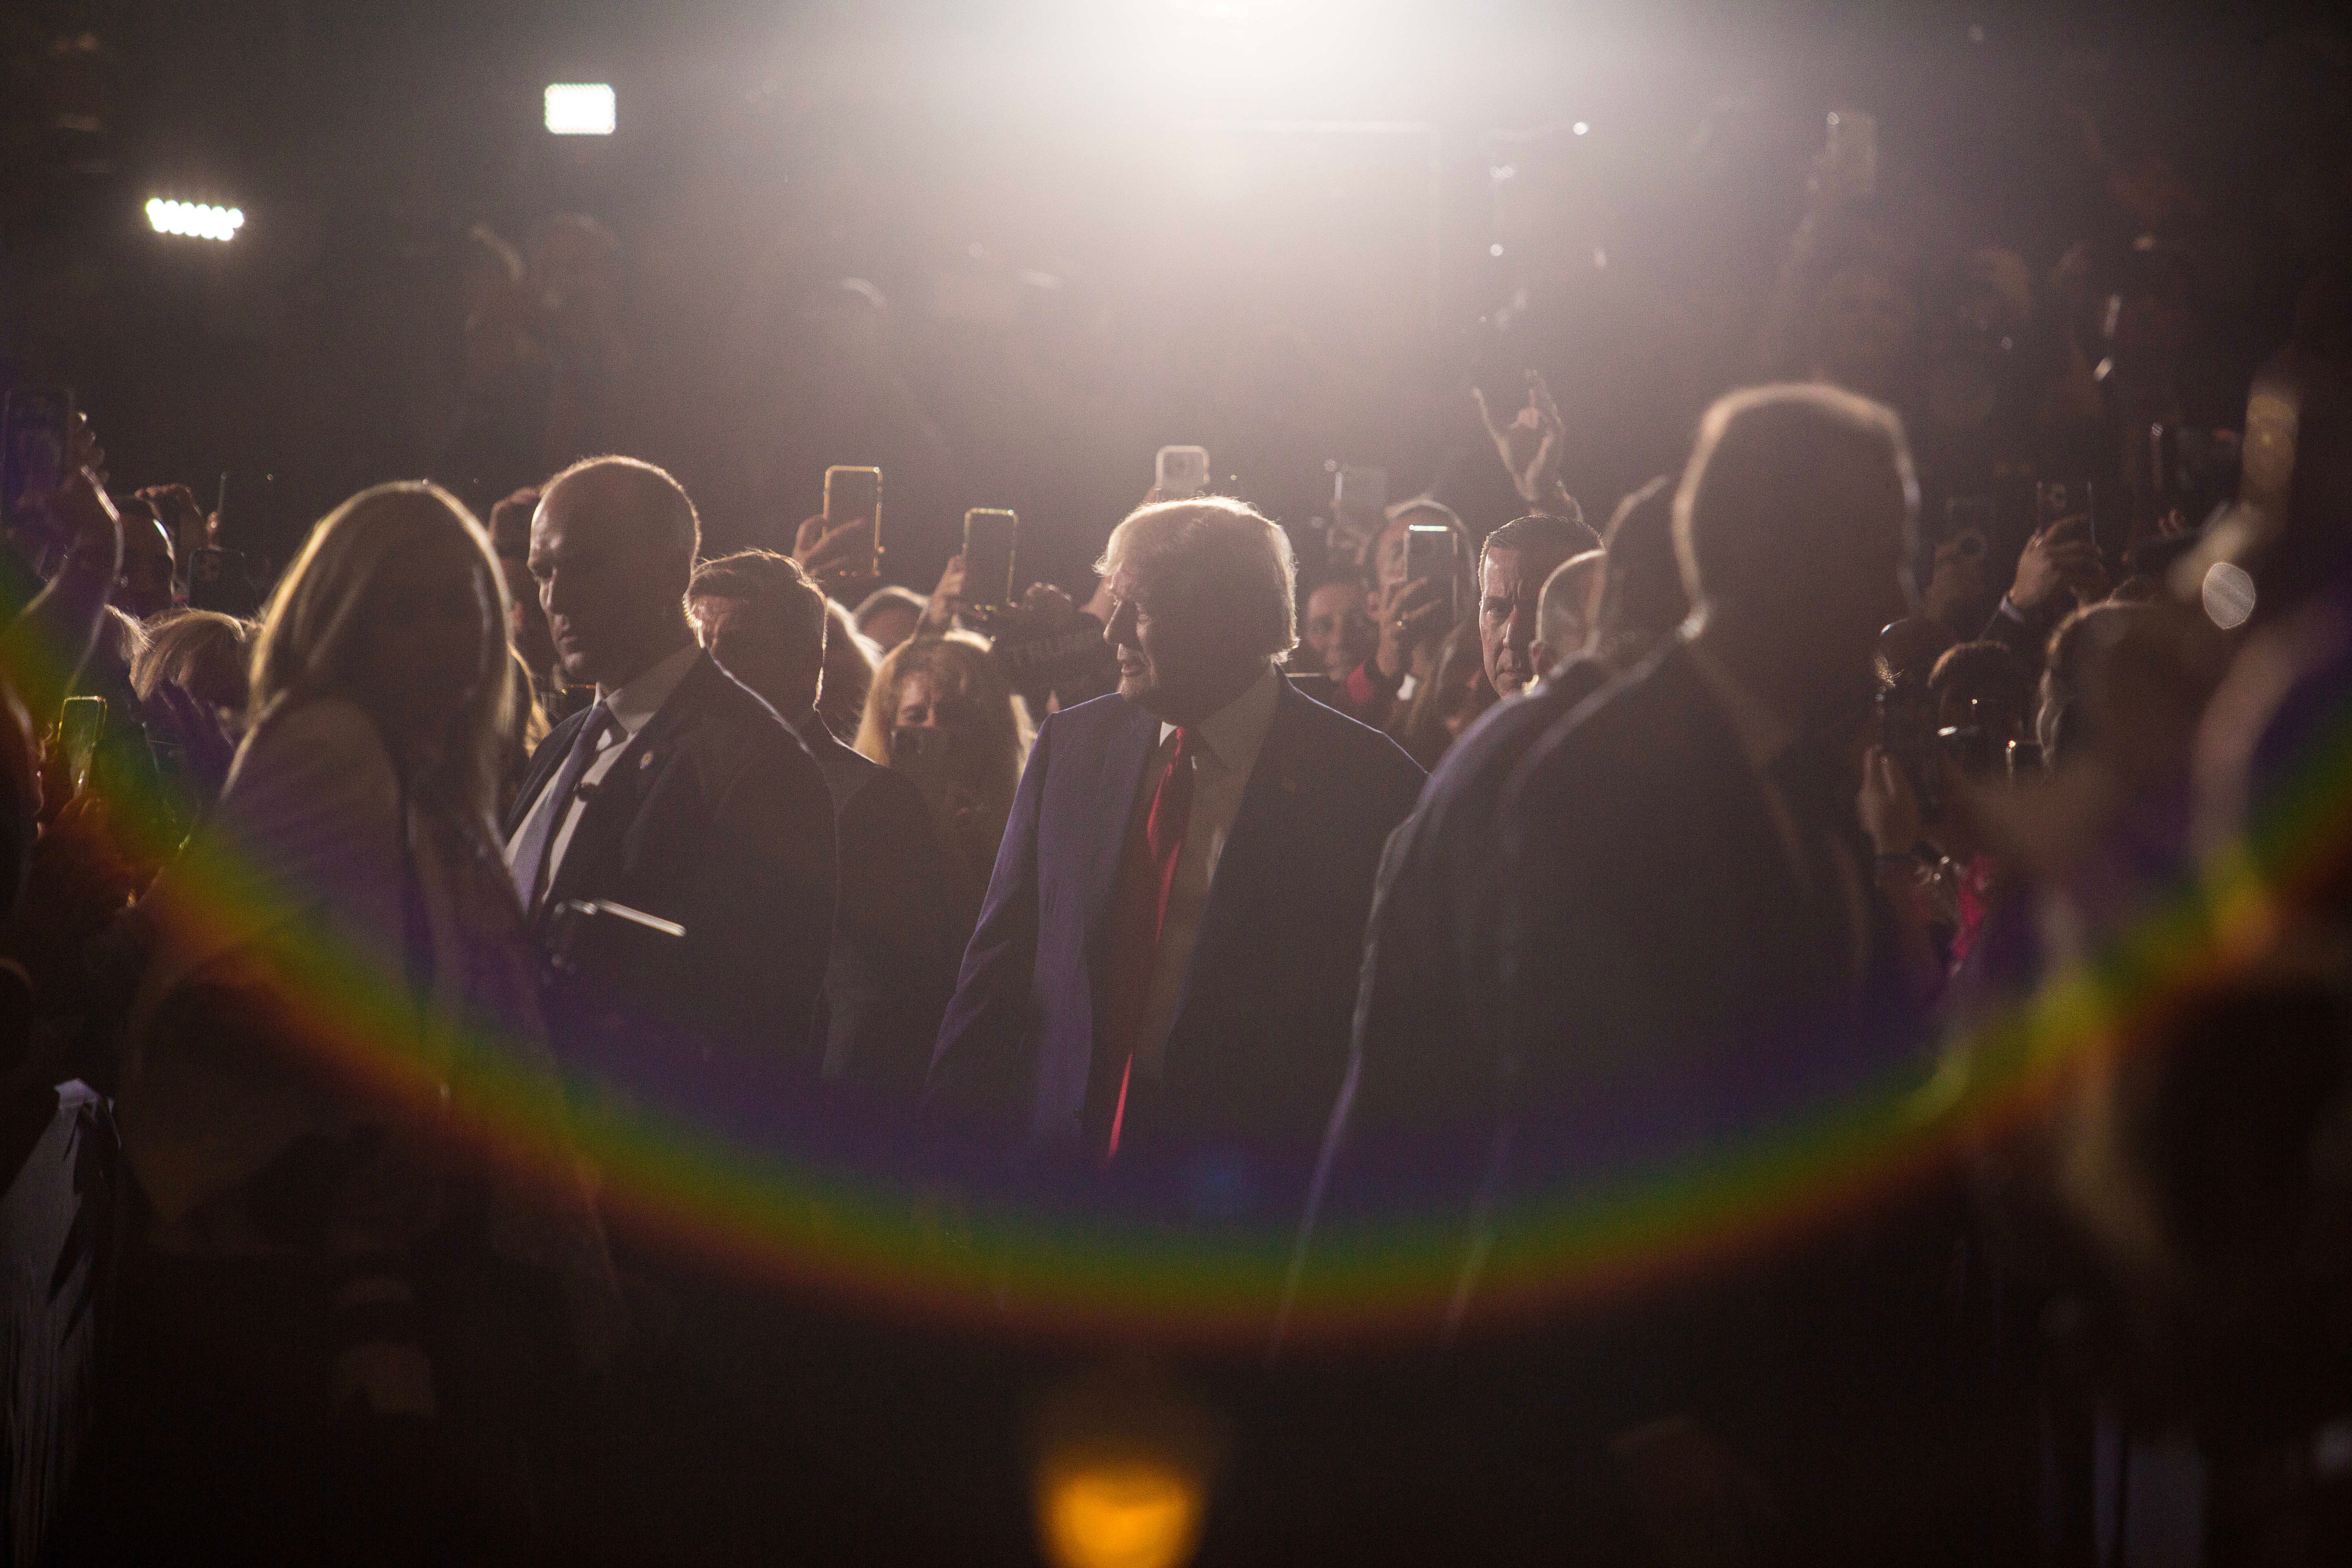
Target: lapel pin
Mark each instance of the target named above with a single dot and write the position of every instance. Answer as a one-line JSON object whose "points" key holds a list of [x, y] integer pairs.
{"points": [[645, 760]]}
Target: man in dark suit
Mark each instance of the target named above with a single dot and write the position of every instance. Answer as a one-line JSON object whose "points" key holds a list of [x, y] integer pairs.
{"points": [[1697, 965], [1167, 957], [896, 937], [1432, 975], [679, 796], [1689, 925]]}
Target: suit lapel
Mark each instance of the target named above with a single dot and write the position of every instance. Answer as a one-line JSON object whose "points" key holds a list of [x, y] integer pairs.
{"points": [[544, 762], [1266, 819], [1124, 755], [614, 803]]}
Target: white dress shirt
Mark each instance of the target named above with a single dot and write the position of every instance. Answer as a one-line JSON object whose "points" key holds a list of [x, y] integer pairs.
{"points": [[631, 706], [1223, 749]]}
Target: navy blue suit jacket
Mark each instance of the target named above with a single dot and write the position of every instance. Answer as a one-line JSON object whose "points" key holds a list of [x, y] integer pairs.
{"points": [[1260, 1034]]}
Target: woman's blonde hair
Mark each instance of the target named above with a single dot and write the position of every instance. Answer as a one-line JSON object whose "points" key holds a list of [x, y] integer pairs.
{"points": [[958, 663], [313, 630], [203, 651]]}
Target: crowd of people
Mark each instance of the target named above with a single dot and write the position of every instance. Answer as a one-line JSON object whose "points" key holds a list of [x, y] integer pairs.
{"points": [[1944, 756]]}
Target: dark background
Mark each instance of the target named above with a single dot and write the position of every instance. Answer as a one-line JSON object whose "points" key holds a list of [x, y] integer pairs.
{"points": [[1101, 228]]}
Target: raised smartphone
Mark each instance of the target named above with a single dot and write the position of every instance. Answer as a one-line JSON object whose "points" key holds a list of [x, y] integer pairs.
{"points": [[80, 725], [35, 429], [1181, 472], [990, 538], [851, 494], [1432, 554]]}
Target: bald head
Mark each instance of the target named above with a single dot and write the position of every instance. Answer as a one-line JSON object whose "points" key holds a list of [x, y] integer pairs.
{"points": [[612, 551]]}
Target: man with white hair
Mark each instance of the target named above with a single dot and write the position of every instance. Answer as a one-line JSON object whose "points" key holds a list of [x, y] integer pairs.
{"points": [[1166, 964]]}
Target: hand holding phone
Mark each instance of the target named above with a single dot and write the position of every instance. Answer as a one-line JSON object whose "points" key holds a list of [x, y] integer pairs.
{"points": [[853, 495], [1180, 473], [36, 452], [839, 560], [1410, 613], [2063, 556], [79, 726], [86, 523], [991, 538]]}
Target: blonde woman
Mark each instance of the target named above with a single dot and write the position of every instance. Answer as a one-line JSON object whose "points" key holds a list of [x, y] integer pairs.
{"points": [[194, 684], [337, 994], [942, 711]]}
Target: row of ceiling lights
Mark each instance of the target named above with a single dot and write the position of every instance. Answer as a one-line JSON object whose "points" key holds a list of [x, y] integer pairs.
{"points": [[573, 109]]}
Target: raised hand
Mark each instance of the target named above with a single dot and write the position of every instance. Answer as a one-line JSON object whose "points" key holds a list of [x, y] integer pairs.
{"points": [[1410, 614], [2062, 558], [1530, 443], [844, 562], [946, 599]]}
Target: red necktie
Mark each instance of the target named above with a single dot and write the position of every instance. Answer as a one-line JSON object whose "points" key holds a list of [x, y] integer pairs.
{"points": [[1138, 906]]}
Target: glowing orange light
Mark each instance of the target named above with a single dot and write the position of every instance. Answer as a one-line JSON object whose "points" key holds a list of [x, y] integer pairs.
{"points": [[1129, 1512]]}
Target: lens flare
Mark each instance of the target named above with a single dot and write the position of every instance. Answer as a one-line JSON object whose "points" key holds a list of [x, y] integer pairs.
{"points": [[806, 1201]]}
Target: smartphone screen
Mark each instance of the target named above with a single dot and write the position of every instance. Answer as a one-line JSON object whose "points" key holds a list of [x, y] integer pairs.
{"points": [[2057, 500], [1428, 553], [34, 433], [990, 538], [80, 725], [1181, 472], [1429, 557], [851, 494]]}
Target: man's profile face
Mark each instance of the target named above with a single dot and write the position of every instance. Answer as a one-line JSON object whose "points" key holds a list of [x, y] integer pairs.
{"points": [[1168, 660], [1510, 588], [606, 591], [1338, 630]]}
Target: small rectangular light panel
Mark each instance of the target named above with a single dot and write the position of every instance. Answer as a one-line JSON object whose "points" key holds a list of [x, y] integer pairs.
{"points": [[579, 108]]}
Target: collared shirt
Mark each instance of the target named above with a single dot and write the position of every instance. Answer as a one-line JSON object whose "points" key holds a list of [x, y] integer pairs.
{"points": [[1223, 749], [1764, 736], [631, 706]]}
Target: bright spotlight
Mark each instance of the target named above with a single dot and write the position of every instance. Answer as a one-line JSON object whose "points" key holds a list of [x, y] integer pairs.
{"points": [[1580, 128], [195, 220], [579, 108]]}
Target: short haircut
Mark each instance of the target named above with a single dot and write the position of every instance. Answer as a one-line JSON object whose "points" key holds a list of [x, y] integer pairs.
{"points": [[775, 589], [510, 521], [660, 502], [1539, 533], [1566, 602], [1641, 597], [1783, 480], [1219, 555], [884, 598]]}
